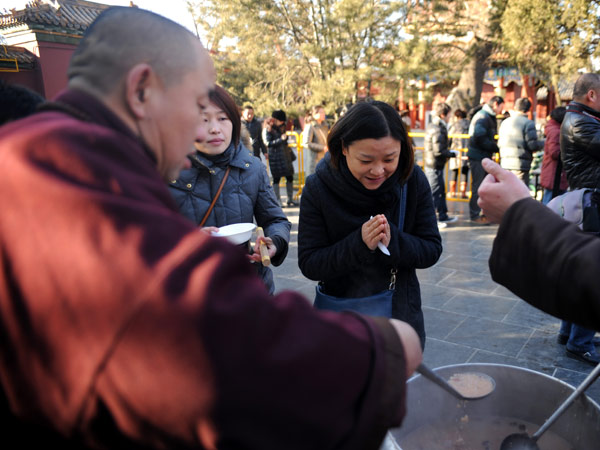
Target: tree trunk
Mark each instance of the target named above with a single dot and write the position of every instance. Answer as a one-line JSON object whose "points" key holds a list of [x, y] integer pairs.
{"points": [[468, 91], [554, 86]]}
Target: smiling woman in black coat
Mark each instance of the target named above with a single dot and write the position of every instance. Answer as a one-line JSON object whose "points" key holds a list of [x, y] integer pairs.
{"points": [[370, 161]]}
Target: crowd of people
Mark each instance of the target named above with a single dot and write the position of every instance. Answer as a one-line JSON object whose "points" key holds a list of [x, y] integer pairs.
{"points": [[125, 324]]}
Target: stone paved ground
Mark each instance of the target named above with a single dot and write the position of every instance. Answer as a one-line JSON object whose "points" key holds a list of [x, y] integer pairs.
{"points": [[468, 317]]}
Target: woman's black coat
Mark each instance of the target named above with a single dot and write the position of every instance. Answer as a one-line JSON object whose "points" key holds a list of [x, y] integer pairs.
{"points": [[331, 249], [280, 160]]}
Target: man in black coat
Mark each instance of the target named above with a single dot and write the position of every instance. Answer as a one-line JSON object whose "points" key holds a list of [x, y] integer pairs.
{"points": [[436, 155], [482, 144], [580, 152], [580, 134], [254, 128]]}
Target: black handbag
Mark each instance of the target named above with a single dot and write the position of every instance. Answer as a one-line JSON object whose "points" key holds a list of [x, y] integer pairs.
{"points": [[379, 304]]}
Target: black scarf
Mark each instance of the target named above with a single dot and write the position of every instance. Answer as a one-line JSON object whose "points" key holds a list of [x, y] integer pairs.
{"points": [[221, 160], [351, 191]]}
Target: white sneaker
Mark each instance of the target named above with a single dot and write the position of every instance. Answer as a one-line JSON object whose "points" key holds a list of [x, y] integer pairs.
{"points": [[441, 225]]}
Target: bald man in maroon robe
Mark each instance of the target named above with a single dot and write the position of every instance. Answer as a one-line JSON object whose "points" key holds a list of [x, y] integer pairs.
{"points": [[121, 324]]}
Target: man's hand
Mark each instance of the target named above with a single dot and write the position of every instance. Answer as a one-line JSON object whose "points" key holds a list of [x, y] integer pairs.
{"points": [[411, 343], [499, 190]]}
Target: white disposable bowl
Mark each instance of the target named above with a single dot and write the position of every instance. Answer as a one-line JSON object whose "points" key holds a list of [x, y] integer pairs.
{"points": [[236, 233]]}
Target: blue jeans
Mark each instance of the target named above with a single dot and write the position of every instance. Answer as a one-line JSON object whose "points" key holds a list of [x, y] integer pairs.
{"points": [[580, 339], [438, 190]]}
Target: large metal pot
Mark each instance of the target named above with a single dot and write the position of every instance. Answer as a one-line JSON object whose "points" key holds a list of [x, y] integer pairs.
{"points": [[520, 393]]}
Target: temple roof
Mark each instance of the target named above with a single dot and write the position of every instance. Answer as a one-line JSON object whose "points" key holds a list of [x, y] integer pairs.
{"points": [[63, 16], [14, 58]]}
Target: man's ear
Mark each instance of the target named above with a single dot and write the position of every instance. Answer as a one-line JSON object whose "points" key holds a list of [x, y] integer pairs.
{"points": [[139, 85]]}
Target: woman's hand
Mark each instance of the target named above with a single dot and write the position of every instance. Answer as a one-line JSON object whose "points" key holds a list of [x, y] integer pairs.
{"points": [[374, 230], [209, 230], [271, 248]]}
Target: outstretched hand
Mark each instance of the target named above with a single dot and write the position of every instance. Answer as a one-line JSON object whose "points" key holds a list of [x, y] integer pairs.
{"points": [[499, 190]]}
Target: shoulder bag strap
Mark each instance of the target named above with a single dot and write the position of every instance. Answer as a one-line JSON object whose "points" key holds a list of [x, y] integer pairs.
{"points": [[401, 215], [212, 204], [402, 212]]}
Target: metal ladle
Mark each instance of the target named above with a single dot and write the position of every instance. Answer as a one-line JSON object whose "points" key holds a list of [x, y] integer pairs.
{"points": [[522, 441], [432, 376]]}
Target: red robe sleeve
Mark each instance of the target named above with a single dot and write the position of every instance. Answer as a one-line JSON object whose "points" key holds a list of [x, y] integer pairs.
{"points": [[123, 326]]}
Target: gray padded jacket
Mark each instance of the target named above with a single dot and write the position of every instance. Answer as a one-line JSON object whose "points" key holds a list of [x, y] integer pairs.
{"points": [[247, 196], [518, 141]]}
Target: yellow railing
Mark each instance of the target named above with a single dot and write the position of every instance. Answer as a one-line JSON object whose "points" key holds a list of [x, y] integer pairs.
{"points": [[462, 156], [418, 160], [9, 69]]}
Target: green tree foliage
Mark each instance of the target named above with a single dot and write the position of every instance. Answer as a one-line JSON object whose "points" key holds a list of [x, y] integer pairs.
{"points": [[552, 38], [462, 35], [293, 54], [281, 53]]}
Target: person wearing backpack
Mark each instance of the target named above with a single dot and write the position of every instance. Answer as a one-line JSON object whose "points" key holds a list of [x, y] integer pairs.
{"points": [[540, 257], [580, 153]]}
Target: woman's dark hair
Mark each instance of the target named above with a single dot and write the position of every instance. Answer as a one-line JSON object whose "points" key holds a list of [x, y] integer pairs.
{"points": [[371, 120], [558, 114], [223, 100]]}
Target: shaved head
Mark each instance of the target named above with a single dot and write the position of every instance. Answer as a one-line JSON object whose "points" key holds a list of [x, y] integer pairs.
{"points": [[122, 37], [153, 74], [585, 83]]}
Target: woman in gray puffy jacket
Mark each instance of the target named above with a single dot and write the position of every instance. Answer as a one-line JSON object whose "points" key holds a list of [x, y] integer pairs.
{"points": [[247, 194]]}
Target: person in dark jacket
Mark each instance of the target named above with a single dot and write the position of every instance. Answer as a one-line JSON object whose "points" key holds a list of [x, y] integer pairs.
{"points": [[280, 155], [482, 144], [517, 140], [580, 152], [352, 202], [544, 259], [553, 175], [254, 127], [247, 194], [580, 134], [436, 155]]}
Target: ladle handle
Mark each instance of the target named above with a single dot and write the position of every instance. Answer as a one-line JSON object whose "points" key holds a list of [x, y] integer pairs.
{"points": [[576, 393], [432, 376]]}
